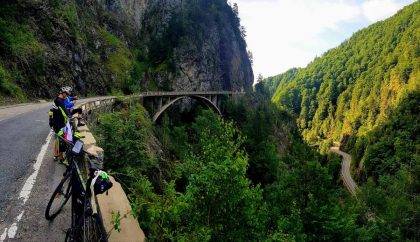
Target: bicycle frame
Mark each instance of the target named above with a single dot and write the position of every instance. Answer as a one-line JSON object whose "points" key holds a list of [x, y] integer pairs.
{"points": [[81, 207]]}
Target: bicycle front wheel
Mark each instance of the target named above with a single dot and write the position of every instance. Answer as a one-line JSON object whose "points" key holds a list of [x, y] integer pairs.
{"points": [[59, 198]]}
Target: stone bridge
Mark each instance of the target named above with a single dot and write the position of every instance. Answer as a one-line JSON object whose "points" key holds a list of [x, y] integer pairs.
{"points": [[160, 101]]}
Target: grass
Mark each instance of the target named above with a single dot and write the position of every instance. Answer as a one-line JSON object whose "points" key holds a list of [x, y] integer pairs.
{"points": [[120, 61], [8, 89], [110, 39], [68, 12], [19, 39]]}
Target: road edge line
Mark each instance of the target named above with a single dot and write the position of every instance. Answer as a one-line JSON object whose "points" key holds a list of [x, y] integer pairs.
{"points": [[26, 190]]}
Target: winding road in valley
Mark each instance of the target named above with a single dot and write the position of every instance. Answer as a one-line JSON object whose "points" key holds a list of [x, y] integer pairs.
{"points": [[345, 170]]}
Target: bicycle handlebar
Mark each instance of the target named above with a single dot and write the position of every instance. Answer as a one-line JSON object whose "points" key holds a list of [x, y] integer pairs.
{"points": [[72, 145]]}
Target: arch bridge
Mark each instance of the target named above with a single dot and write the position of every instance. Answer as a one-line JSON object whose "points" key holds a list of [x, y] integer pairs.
{"points": [[160, 101]]}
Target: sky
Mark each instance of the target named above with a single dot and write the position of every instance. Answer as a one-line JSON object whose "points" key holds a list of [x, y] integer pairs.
{"points": [[282, 34]]}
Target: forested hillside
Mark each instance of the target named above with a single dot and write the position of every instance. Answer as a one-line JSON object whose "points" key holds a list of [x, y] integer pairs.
{"points": [[116, 46], [366, 93], [237, 179], [273, 83], [251, 177], [353, 88]]}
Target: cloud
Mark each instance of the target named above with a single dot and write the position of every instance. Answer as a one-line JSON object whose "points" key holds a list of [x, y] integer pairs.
{"points": [[289, 33], [284, 34], [375, 10]]}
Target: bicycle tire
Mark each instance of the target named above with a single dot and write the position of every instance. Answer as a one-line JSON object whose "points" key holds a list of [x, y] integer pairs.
{"points": [[68, 237], [93, 229], [57, 192]]}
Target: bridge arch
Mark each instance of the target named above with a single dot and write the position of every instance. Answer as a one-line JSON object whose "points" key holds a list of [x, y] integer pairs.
{"points": [[206, 101]]}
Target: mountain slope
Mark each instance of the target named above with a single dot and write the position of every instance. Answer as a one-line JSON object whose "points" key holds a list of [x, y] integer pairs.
{"points": [[352, 88], [366, 93], [271, 84]]}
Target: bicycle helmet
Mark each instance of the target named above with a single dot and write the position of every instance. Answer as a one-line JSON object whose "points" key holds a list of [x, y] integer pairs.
{"points": [[66, 89], [101, 182]]}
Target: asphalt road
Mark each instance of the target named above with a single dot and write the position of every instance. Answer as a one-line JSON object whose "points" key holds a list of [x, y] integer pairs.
{"points": [[28, 175], [345, 170]]}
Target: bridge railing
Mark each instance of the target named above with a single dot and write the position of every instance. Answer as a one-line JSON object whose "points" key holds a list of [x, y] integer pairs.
{"points": [[188, 93]]}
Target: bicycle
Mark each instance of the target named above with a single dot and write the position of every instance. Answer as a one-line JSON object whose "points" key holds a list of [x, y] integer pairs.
{"points": [[86, 223]]}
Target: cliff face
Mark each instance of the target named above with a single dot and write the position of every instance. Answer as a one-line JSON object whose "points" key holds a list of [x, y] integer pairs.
{"points": [[106, 46], [201, 41]]}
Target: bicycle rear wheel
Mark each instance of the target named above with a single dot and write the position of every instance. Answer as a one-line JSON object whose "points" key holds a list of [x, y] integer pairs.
{"points": [[59, 197]]}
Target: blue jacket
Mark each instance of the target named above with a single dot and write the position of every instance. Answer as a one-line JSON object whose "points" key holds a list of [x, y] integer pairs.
{"points": [[69, 103]]}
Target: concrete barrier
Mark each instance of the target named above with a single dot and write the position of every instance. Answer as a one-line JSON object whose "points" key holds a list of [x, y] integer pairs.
{"points": [[114, 201]]}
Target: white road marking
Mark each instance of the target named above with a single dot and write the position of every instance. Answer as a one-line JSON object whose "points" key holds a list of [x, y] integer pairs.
{"points": [[13, 228], [3, 235], [29, 184], [26, 190]]}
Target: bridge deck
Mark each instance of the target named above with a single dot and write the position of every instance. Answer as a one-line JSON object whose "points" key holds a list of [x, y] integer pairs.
{"points": [[188, 93]]}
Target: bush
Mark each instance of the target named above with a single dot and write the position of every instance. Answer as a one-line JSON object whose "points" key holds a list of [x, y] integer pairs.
{"points": [[125, 137]]}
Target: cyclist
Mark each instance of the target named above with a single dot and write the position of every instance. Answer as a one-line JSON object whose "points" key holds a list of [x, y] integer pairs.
{"points": [[59, 121]]}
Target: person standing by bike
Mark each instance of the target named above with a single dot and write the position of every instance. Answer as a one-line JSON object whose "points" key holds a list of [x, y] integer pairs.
{"points": [[59, 121]]}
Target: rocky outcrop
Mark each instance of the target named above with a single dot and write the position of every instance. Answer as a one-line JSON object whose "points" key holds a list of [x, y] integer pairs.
{"points": [[207, 49]]}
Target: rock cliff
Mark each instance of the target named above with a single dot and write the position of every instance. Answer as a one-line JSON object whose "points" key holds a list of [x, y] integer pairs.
{"points": [[108, 46]]}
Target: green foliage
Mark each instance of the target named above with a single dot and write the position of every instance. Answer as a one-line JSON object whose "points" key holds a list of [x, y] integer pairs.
{"points": [[125, 138], [19, 40], [116, 220], [110, 39], [8, 88], [300, 186], [210, 198], [390, 155], [120, 62], [275, 82], [366, 92], [351, 88], [394, 144], [261, 125], [206, 193], [219, 195], [68, 12]]}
